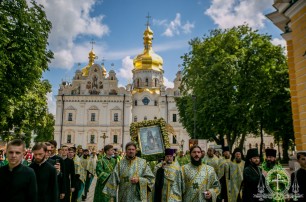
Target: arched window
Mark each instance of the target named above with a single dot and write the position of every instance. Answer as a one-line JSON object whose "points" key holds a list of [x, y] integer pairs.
{"points": [[145, 118], [147, 82], [256, 145], [155, 103], [135, 118], [116, 117], [135, 102], [155, 82], [155, 117], [92, 139], [138, 82], [69, 138]]}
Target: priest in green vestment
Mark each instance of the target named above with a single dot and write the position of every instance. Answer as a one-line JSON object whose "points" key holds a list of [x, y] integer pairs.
{"points": [[104, 168], [235, 176], [132, 176], [168, 181], [200, 181], [211, 159]]}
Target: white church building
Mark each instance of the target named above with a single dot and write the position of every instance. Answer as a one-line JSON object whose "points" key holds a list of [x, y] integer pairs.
{"points": [[93, 111]]}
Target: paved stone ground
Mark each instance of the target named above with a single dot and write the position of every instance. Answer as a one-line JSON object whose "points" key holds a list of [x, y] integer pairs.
{"points": [[91, 193]]}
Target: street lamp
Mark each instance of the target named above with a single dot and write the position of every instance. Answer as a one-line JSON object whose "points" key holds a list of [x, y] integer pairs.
{"points": [[182, 144], [194, 116]]}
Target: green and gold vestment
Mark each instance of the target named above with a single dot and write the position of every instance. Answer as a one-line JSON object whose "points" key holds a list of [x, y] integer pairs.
{"points": [[121, 178], [196, 180]]}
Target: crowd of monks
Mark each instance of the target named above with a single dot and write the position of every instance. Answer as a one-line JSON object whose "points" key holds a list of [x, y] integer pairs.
{"points": [[197, 175]]}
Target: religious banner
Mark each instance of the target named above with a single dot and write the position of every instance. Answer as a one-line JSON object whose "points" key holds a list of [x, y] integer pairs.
{"points": [[151, 138]]}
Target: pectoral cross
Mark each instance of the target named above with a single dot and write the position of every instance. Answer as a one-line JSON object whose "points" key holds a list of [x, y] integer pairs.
{"points": [[278, 179], [195, 185]]}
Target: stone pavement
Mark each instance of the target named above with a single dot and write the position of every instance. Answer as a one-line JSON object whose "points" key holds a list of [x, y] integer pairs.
{"points": [[90, 196]]}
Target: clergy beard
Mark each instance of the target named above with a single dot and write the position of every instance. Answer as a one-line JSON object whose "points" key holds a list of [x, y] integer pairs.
{"points": [[85, 156], [196, 163], [238, 160], [270, 164], [130, 157]]}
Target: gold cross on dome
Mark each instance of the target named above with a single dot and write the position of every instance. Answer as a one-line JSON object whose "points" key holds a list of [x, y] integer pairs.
{"points": [[92, 42], [148, 21]]}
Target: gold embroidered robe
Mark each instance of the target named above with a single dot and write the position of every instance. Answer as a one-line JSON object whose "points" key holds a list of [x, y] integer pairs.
{"points": [[196, 180], [121, 179]]}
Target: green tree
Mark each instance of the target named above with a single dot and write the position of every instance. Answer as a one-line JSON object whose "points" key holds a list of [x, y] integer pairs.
{"points": [[45, 132], [24, 57], [234, 74]]}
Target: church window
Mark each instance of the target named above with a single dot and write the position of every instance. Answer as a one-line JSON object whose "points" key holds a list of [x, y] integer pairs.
{"points": [[145, 118], [173, 117], [147, 82], [69, 116], [68, 138], [256, 145], [155, 117], [155, 103], [115, 139], [174, 141], [92, 139], [138, 82], [93, 117], [145, 101], [135, 102], [116, 117], [155, 82], [135, 118]]}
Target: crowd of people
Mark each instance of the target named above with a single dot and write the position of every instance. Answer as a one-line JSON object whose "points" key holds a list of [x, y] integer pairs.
{"points": [[48, 174]]}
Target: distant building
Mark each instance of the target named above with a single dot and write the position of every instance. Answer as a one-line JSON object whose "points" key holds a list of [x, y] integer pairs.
{"points": [[93, 111]]}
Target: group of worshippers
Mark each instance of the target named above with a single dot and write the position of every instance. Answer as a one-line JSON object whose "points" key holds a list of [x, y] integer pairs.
{"points": [[47, 177], [197, 177]]}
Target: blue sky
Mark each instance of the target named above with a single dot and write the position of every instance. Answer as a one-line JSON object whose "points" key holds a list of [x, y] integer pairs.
{"points": [[117, 28]]}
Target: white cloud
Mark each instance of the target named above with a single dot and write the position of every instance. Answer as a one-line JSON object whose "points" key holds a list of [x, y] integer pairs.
{"points": [[237, 12], [70, 19], [187, 27], [168, 83], [174, 27], [277, 41], [51, 103], [127, 67]]}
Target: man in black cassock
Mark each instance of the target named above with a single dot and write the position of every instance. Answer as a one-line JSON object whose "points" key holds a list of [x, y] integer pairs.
{"points": [[46, 175], [168, 181], [299, 177], [69, 175], [252, 176], [17, 182], [61, 178]]}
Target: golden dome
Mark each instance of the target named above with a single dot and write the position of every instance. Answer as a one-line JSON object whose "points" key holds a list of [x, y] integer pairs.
{"points": [[104, 72], [91, 57], [148, 59]]}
